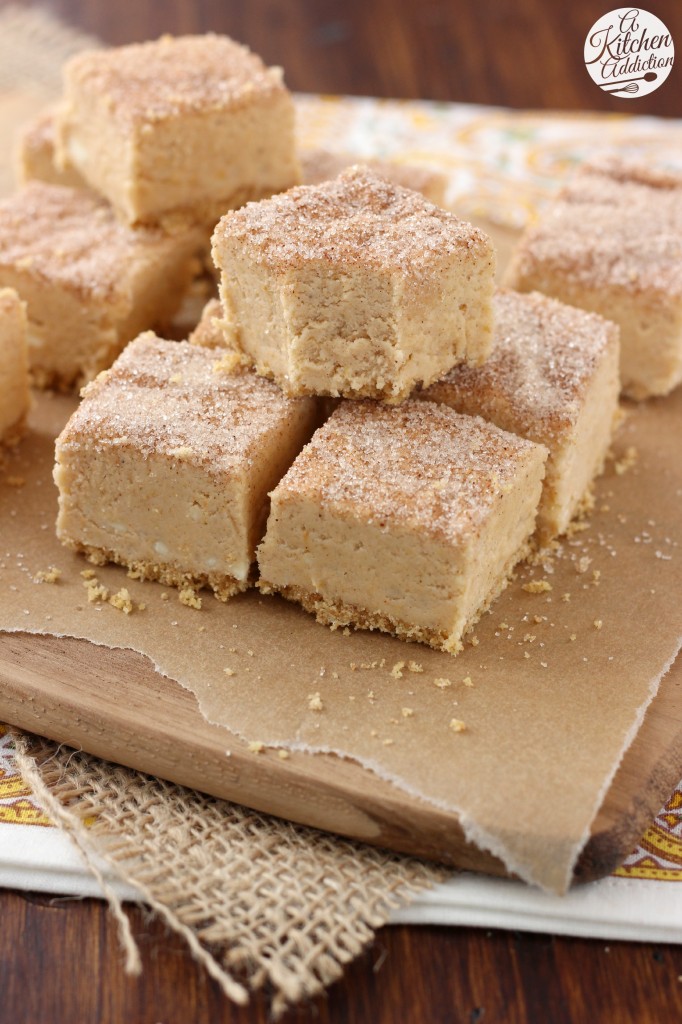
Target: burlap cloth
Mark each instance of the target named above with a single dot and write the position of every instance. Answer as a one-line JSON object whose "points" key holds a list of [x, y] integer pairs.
{"points": [[261, 903]]}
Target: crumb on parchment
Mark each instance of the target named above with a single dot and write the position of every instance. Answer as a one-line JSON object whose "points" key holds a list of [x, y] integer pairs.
{"points": [[457, 725], [315, 702], [189, 597], [537, 587], [51, 575], [627, 461], [122, 600]]}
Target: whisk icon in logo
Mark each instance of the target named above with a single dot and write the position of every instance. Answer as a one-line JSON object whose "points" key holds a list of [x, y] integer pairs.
{"points": [[629, 52]]}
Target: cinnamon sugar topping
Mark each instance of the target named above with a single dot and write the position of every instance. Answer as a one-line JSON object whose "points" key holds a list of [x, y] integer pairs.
{"points": [[72, 238], [417, 465], [214, 420], [358, 218], [171, 77], [614, 224], [544, 355]]}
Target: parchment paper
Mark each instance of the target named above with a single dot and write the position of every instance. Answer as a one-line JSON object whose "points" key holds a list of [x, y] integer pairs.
{"points": [[544, 733]]}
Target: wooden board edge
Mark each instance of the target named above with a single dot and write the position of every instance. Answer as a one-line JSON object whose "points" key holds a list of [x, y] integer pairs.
{"points": [[346, 799]]}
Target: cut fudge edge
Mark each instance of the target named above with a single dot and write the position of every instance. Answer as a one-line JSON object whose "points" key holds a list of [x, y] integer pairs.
{"points": [[12, 433], [76, 151], [623, 309], [338, 613], [474, 339]]}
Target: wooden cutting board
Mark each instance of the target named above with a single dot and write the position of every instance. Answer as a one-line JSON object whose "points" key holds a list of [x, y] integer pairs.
{"points": [[113, 704]]}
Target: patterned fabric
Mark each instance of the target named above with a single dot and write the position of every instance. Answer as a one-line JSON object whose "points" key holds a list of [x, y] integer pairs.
{"points": [[503, 165]]}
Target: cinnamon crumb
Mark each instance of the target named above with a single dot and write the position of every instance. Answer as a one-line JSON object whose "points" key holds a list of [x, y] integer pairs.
{"points": [[164, 596], [50, 575], [597, 623], [583, 564], [537, 587], [473, 640], [256, 747], [230, 362], [573, 636], [229, 671], [566, 598], [283, 755], [388, 743], [189, 597], [413, 666], [628, 460], [468, 681], [396, 671], [407, 712], [123, 601], [457, 725], [442, 684], [88, 574], [315, 702]]}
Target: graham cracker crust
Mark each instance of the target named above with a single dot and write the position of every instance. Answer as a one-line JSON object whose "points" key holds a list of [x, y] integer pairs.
{"points": [[223, 585]]}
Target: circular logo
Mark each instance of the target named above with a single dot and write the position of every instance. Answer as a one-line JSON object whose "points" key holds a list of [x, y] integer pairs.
{"points": [[629, 52]]}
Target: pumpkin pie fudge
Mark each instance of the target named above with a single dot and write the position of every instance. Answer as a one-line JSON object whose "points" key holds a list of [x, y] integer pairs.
{"points": [[90, 283], [407, 519], [209, 333], [193, 125], [166, 465], [612, 243], [354, 288], [14, 390], [552, 377], [318, 165], [36, 159]]}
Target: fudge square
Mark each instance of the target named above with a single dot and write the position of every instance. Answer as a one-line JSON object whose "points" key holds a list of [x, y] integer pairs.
{"points": [[407, 519], [196, 124], [90, 283], [319, 165], [36, 159], [612, 243], [14, 390], [166, 465], [552, 377], [355, 288]]}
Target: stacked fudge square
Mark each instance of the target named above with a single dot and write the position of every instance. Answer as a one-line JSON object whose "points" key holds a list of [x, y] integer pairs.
{"points": [[458, 424], [408, 510], [124, 181]]}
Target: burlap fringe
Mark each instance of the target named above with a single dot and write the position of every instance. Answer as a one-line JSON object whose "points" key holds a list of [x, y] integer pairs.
{"points": [[33, 47], [262, 903]]}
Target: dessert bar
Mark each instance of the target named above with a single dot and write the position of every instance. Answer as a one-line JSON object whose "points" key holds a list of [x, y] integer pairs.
{"points": [[90, 283], [406, 519], [166, 465], [14, 390], [610, 243], [552, 377], [193, 125], [318, 165], [354, 288]]}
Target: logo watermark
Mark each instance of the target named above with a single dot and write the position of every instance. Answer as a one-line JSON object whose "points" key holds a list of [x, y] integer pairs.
{"points": [[629, 52]]}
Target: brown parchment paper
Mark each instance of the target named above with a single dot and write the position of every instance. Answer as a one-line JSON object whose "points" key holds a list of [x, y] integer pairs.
{"points": [[545, 733]]}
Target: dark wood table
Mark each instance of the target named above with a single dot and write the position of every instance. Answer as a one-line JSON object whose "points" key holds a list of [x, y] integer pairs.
{"points": [[60, 962]]}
